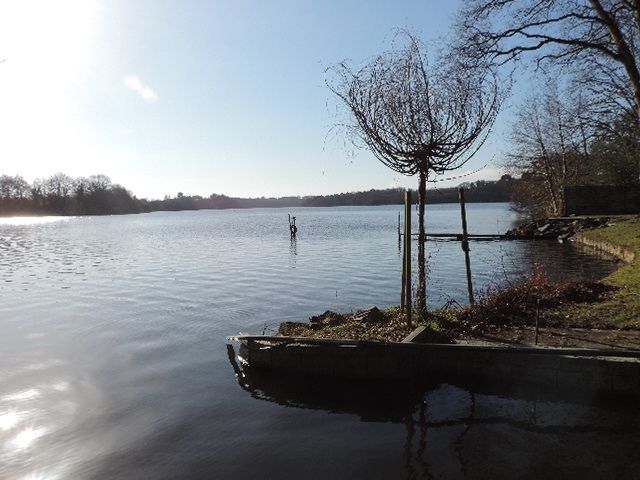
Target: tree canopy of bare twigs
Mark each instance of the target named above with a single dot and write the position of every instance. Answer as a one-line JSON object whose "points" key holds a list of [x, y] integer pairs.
{"points": [[417, 119], [601, 37]]}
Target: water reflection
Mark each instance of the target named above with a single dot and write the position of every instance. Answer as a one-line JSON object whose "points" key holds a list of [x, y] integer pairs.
{"points": [[25, 395], [26, 437], [293, 252], [478, 431], [32, 420], [8, 420]]}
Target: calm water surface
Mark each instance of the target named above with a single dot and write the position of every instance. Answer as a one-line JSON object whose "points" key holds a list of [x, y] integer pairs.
{"points": [[113, 361]]}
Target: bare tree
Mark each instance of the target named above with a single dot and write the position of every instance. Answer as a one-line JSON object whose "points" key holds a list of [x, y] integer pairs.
{"points": [[81, 186], [604, 88], [13, 187], [557, 141], [98, 183], [417, 119], [6, 186], [60, 185], [545, 150], [604, 35]]}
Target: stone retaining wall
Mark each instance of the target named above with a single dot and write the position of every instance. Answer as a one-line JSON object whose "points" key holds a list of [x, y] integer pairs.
{"points": [[622, 253]]}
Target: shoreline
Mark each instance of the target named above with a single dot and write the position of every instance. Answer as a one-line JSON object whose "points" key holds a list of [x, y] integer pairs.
{"points": [[622, 253], [571, 314], [290, 207]]}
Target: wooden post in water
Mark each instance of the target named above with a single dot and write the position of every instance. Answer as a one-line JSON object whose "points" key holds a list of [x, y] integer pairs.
{"points": [[292, 227], [404, 281], [404, 267], [465, 246], [407, 255], [537, 319]]}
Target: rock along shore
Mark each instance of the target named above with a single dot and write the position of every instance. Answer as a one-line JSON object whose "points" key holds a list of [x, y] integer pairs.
{"points": [[560, 228]]}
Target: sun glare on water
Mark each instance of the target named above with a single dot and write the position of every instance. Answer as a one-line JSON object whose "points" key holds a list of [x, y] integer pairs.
{"points": [[17, 221]]}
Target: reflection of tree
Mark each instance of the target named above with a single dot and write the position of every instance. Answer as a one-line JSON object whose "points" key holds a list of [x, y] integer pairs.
{"points": [[410, 425], [422, 444], [460, 440], [293, 251], [408, 446]]}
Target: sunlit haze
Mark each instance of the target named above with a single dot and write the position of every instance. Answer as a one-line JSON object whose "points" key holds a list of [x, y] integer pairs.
{"points": [[197, 96]]}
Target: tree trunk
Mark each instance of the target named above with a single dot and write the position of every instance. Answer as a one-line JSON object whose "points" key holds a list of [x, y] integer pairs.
{"points": [[422, 272]]}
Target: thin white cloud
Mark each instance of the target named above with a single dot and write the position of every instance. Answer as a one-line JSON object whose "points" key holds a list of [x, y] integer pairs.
{"points": [[133, 82]]}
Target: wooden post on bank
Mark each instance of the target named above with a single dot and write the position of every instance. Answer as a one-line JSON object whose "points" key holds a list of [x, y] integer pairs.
{"points": [[465, 246], [407, 256]]}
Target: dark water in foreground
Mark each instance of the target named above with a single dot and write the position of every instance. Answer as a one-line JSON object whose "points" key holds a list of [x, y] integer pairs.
{"points": [[113, 361]]}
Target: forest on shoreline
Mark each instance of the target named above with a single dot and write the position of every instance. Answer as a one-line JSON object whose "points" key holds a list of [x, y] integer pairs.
{"points": [[98, 195]]}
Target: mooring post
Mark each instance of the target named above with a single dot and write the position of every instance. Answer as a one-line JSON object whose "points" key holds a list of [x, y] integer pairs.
{"points": [[404, 276], [537, 319], [293, 230], [465, 246], [404, 266], [407, 255]]}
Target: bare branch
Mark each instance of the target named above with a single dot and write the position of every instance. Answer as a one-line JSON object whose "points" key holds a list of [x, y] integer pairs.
{"points": [[559, 31]]}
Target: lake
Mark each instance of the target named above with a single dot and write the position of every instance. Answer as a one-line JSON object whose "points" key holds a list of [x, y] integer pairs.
{"points": [[114, 365]]}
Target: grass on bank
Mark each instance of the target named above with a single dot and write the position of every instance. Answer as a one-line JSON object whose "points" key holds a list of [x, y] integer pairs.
{"points": [[622, 309]]}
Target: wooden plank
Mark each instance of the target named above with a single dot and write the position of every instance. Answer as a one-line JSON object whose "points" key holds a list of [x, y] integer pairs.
{"points": [[470, 236]]}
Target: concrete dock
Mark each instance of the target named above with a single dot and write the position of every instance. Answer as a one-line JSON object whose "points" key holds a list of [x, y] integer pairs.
{"points": [[590, 370]]}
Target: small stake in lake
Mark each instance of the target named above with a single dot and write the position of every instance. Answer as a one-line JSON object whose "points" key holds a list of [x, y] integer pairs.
{"points": [[292, 226], [537, 319]]}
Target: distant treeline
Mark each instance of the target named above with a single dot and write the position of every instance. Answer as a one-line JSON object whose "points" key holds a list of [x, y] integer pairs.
{"points": [[479, 191], [61, 194]]}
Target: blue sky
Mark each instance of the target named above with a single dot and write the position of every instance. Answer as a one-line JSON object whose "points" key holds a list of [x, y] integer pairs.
{"points": [[196, 96]]}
